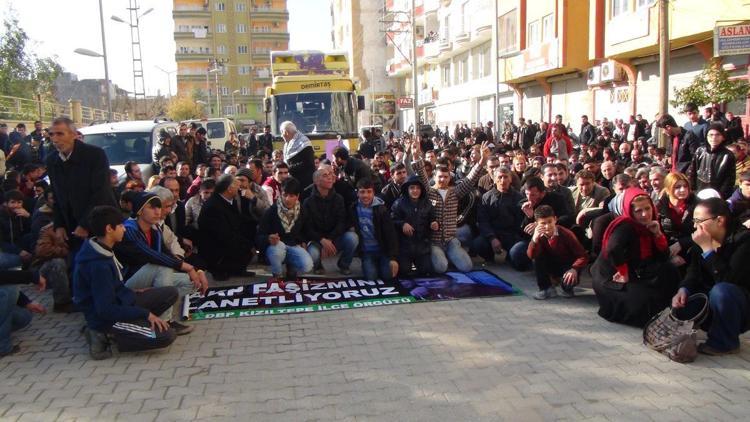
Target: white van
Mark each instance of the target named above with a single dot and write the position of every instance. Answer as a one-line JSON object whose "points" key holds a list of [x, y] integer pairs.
{"points": [[129, 141], [217, 130]]}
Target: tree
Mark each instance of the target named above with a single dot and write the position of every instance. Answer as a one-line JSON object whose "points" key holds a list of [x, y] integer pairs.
{"points": [[712, 85], [183, 108], [22, 72]]}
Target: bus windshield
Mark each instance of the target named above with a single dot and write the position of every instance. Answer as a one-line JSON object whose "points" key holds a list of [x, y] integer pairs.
{"points": [[317, 112]]}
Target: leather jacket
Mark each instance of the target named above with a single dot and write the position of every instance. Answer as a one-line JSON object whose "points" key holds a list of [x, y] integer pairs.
{"points": [[713, 169]]}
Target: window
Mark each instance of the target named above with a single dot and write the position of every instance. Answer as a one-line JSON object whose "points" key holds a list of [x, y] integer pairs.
{"points": [[224, 90], [461, 74], [244, 91], [445, 72], [445, 29], [221, 28], [619, 7], [483, 62], [242, 49], [465, 18], [243, 70], [221, 49], [241, 28], [533, 35], [228, 110], [644, 3], [239, 7], [548, 28], [219, 6], [506, 37]]}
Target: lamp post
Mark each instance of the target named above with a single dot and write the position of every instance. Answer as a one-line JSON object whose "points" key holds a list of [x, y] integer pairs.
{"points": [[103, 55], [216, 72], [234, 105], [169, 81]]}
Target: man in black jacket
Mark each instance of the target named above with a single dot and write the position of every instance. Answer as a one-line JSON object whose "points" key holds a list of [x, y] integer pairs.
{"points": [[588, 132], [352, 168], [79, 174], [265, 141], [392, 190], [713, 165], [298, 153], [325, 224], [499, 217], [378, 243], [223, 244], [719, 265], [683, 143]]}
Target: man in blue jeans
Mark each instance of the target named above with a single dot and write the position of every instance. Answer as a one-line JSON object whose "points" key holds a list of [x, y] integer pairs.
{"points": [[325, 223], [719, 267], [15, 307], [377, 234]]}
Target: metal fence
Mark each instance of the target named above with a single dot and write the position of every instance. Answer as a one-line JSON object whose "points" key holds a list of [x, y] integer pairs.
{"points": [[27, 110]]}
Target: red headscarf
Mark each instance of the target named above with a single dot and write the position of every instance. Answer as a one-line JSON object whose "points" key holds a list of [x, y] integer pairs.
{"points": [[645, 237]]}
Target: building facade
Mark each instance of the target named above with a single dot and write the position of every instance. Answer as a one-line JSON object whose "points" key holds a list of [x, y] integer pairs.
{"points": [[223, 52], [356, 31]]}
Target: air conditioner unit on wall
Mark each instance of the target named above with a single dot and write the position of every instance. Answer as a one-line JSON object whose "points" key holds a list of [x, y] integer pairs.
{"points": [[593, 76], [612, 72]]}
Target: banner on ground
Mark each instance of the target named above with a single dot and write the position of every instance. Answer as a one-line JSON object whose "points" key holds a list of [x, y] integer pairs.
{"points": [[315, 295]]}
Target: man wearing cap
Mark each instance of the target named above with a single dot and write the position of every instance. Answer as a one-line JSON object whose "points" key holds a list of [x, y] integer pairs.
{"points": [[148, 260], [222, 235]]}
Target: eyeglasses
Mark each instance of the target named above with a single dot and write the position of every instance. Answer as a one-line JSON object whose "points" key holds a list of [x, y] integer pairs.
{"points": [[702, 220]]}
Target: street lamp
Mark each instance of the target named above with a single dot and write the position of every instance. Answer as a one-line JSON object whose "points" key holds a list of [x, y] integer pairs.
{"points": [[234, 105], [169, 81], [103, 55]]}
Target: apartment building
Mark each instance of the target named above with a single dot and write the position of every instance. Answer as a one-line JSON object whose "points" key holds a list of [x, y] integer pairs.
{"points": [[356, 31], [223, 51], [455, 69]]}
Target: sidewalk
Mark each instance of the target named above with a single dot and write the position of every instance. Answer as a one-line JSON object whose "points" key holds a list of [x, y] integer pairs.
{"points": [[510, 358]]}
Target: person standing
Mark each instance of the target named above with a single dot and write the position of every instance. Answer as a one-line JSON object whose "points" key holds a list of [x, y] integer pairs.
{"points": [[713, 165], [684, 142], [265, 141], [298, 153], [588, 131], [79, 174]]}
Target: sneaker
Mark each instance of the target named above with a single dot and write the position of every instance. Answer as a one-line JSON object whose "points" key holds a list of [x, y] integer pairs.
{"points": [[705, 349], [98, 344], [563, 292], [345, 271], [13, 350], [545, 294], [181, 329]]}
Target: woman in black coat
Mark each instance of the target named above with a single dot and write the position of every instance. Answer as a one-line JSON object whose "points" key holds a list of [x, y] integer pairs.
{"points": [[633, 278], [675, 208]]}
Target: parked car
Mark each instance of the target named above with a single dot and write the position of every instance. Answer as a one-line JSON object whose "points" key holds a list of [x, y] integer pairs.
{"points": [[129, 141], [217, 130]]}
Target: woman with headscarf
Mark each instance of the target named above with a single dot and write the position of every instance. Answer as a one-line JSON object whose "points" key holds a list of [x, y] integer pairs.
{"points": [[633, 278]]}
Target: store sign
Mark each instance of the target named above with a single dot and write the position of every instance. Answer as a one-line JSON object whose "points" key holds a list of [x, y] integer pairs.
{"points": [[405, 102], [541, 57], [732, 39]]}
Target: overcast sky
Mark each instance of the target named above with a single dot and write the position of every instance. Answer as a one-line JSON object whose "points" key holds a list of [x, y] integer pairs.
{"points": [[57, 27]]}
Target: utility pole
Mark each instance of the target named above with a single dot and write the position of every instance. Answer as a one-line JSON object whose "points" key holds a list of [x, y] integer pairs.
{"points": [[106, 67], [663, 62], [417, 126], [496, 67]]}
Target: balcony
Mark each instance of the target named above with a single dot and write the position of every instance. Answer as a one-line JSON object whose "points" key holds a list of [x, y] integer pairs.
{"points": [[261, 55], [194, 34], [190, 11], [269, 13], [204, 54], [265, 34], [431, 51], [444, 45], [463, 37], [483, 31]]}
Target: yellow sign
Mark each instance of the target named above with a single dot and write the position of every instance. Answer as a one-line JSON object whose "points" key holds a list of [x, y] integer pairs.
{"points": [[313, 86]]}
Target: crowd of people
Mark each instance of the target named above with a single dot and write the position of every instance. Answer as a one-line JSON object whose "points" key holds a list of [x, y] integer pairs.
{"points": [[652, 225]]}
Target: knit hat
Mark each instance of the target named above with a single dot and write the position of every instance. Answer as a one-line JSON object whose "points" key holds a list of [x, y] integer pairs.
{"points": [[247, 173], [141, 199]]}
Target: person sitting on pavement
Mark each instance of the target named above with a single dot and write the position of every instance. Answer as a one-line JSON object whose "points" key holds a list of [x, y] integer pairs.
{"points": [[280, 234], [713, 165], [222, 241], [719, 267], [675, 208], [633, 277], [272, 185], [15, 224], [499, 218], [325, 225], [739, 202], [148, 260], [130, 317], [445, 198], [251, 198], [414, 218], [392, 190], [558, 256], [15, 307], [378, 243]]}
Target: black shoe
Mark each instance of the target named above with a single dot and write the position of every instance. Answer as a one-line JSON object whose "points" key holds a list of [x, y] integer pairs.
{"points": [[98, 344], [64, 308], [705, 349], [181, 329], [13, 350], [291, 275], [220, 276]]}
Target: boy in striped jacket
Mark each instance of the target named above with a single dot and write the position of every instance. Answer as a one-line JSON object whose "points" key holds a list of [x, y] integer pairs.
{"points": [[445, 199]]}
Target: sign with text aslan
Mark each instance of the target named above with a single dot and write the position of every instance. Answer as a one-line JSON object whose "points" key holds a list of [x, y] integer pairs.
{"points": [[732, 39], [315, 295]]}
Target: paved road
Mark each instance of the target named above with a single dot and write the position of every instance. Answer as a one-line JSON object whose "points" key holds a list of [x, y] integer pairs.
{"points": [[480, 359]]}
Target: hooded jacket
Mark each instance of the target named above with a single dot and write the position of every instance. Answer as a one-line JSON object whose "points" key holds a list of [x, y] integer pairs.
{"points": [[419, 214], [270, 223], [325, 217], [385, 232], [740, 206], [135, 251], [99, 289]]}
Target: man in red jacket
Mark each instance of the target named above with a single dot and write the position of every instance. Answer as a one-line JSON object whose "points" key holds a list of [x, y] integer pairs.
{"points": [[557, 255]]}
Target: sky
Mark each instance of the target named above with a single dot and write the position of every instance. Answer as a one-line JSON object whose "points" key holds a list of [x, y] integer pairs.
{"points": [[57, 27]]}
